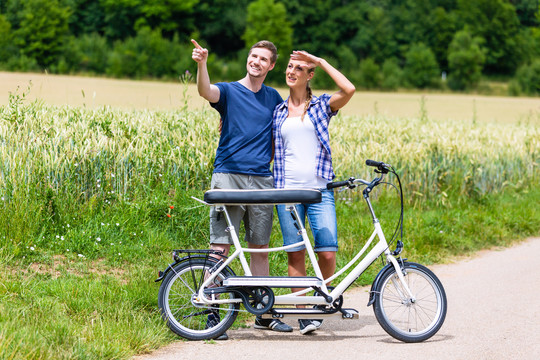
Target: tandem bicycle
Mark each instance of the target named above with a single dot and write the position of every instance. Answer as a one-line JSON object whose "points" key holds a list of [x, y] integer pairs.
{"points": [[408, 299]]}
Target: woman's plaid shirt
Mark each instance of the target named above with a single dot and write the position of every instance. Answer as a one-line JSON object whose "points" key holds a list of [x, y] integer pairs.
{"points": [[319, 113]]}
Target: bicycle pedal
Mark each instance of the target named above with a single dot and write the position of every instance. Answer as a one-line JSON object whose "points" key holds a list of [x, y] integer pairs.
{"points": [[349, 314]]}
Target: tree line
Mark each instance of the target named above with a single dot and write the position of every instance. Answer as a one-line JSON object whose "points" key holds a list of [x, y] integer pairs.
{"points": [[378, 44]]}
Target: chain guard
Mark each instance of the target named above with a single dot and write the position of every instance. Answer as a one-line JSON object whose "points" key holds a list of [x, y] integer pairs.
{"points": [[257, 300]]}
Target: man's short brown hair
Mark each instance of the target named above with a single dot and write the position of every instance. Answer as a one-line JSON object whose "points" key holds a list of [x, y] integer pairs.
{"points": [[267, 45]]}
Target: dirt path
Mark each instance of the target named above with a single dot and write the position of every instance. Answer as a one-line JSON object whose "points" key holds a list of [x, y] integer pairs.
{"points": [[493, 313]]}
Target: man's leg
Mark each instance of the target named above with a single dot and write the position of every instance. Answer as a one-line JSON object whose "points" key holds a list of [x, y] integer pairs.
{"points": [[259, 261]]}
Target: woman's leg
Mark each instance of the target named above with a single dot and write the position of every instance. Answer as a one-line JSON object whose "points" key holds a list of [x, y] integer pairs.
{"points": [[323, 223]]}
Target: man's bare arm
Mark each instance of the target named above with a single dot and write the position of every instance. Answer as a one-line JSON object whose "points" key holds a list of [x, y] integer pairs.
{"points": [[206, 89]]}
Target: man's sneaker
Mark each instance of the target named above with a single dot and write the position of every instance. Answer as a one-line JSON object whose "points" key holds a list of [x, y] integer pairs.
{"points": [[212, 320], [307, 326], [317, 323], [271, 324]]}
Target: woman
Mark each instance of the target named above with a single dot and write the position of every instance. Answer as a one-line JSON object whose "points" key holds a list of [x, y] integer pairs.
{"points": [[303, 160]]}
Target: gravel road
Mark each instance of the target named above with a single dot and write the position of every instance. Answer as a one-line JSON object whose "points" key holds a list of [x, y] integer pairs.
{"points": [[493, 313]]}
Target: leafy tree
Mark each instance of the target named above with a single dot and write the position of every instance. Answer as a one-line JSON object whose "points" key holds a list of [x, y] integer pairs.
{"points": [[465, 61], [5, 38], [526, 11], [421, 69], [495, 21], [375, 35], [39, 28], [440, 31], [124, 17], [312, 29], [267, 20], [87, 17], [224, 24]]}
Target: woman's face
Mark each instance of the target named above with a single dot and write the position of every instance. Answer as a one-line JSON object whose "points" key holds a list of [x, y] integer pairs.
{"points": [[297, 74]]}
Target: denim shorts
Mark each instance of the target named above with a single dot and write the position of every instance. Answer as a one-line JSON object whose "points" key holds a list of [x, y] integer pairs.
{"points": [[322, 221]]}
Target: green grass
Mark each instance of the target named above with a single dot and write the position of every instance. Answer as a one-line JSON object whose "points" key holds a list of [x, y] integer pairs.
{"points": [[85, 195]]}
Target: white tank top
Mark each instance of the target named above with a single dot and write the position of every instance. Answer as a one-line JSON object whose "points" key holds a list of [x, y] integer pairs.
{"points": [[301, 146]]}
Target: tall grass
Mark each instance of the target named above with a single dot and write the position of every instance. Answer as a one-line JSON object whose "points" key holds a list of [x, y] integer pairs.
{"points": [[92, 201]]}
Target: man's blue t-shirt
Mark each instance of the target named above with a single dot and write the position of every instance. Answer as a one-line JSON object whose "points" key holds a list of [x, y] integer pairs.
{"points": [[245, 145]]}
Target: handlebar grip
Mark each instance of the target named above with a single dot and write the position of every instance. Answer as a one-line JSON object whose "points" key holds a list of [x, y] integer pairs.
{"points": [[374, 163], [336, 184]]}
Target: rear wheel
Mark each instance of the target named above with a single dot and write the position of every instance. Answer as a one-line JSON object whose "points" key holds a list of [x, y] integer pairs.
{"points": [[184, 316], [405, 319]]}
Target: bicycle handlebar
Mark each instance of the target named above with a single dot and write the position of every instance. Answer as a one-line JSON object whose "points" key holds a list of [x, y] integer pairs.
{"points": [[337, 184], [382, 167]]}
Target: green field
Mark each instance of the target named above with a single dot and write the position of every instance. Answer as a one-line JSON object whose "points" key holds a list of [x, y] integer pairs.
{"points": [[86, 189]]}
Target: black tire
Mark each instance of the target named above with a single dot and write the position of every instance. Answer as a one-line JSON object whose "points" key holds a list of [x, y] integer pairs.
{"points": [[405, 320], [184, 317]]}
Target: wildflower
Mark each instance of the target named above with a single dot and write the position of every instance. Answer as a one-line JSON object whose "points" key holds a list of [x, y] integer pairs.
{"points": [[112, 175], [102, 224], [117, 224], [168, 215], [67, 249], [58, 236], [172, 207], [80, 255], [67, 225], [61, 238], [119, 254], [32, 248], [98, 239]]}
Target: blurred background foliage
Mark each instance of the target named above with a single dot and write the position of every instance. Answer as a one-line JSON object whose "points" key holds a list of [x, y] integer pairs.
{"points": [[379, 44]]}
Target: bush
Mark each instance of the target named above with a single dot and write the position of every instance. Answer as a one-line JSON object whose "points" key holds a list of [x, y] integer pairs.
{"points": [[528, 78], [465, 61], [421, 68], [392, 75], [22, 63], [147, 54], [95, 53], [370, 76]]}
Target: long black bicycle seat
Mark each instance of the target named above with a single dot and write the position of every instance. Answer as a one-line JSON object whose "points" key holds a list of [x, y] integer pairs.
{"points": [[270, 196]]}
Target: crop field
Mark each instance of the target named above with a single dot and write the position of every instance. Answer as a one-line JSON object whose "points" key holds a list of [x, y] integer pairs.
{"points": [[128, 94], [96, 179]]}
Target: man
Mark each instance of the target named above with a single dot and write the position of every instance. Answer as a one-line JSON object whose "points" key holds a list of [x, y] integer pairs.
{"points": [[244, 153]]}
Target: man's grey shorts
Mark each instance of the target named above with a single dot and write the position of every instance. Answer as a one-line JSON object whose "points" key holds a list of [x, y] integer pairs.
{"points": [[257, 218]]}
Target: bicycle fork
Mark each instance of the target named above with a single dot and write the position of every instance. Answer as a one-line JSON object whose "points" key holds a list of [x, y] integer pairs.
{"points": [[406, 296]]}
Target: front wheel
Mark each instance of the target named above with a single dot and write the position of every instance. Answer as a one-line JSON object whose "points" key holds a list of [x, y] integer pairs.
{"points": [[406, 319], [186, 317]]}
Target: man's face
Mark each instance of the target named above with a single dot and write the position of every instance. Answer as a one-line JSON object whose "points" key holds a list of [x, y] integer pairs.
{"points": [[259, 62]]}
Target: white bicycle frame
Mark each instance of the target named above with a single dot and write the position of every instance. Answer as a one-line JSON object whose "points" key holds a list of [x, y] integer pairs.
{"points": [[295, 298]]}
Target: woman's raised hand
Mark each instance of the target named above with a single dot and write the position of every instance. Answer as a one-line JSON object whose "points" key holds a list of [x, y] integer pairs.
{"points": [[301, 55]]}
